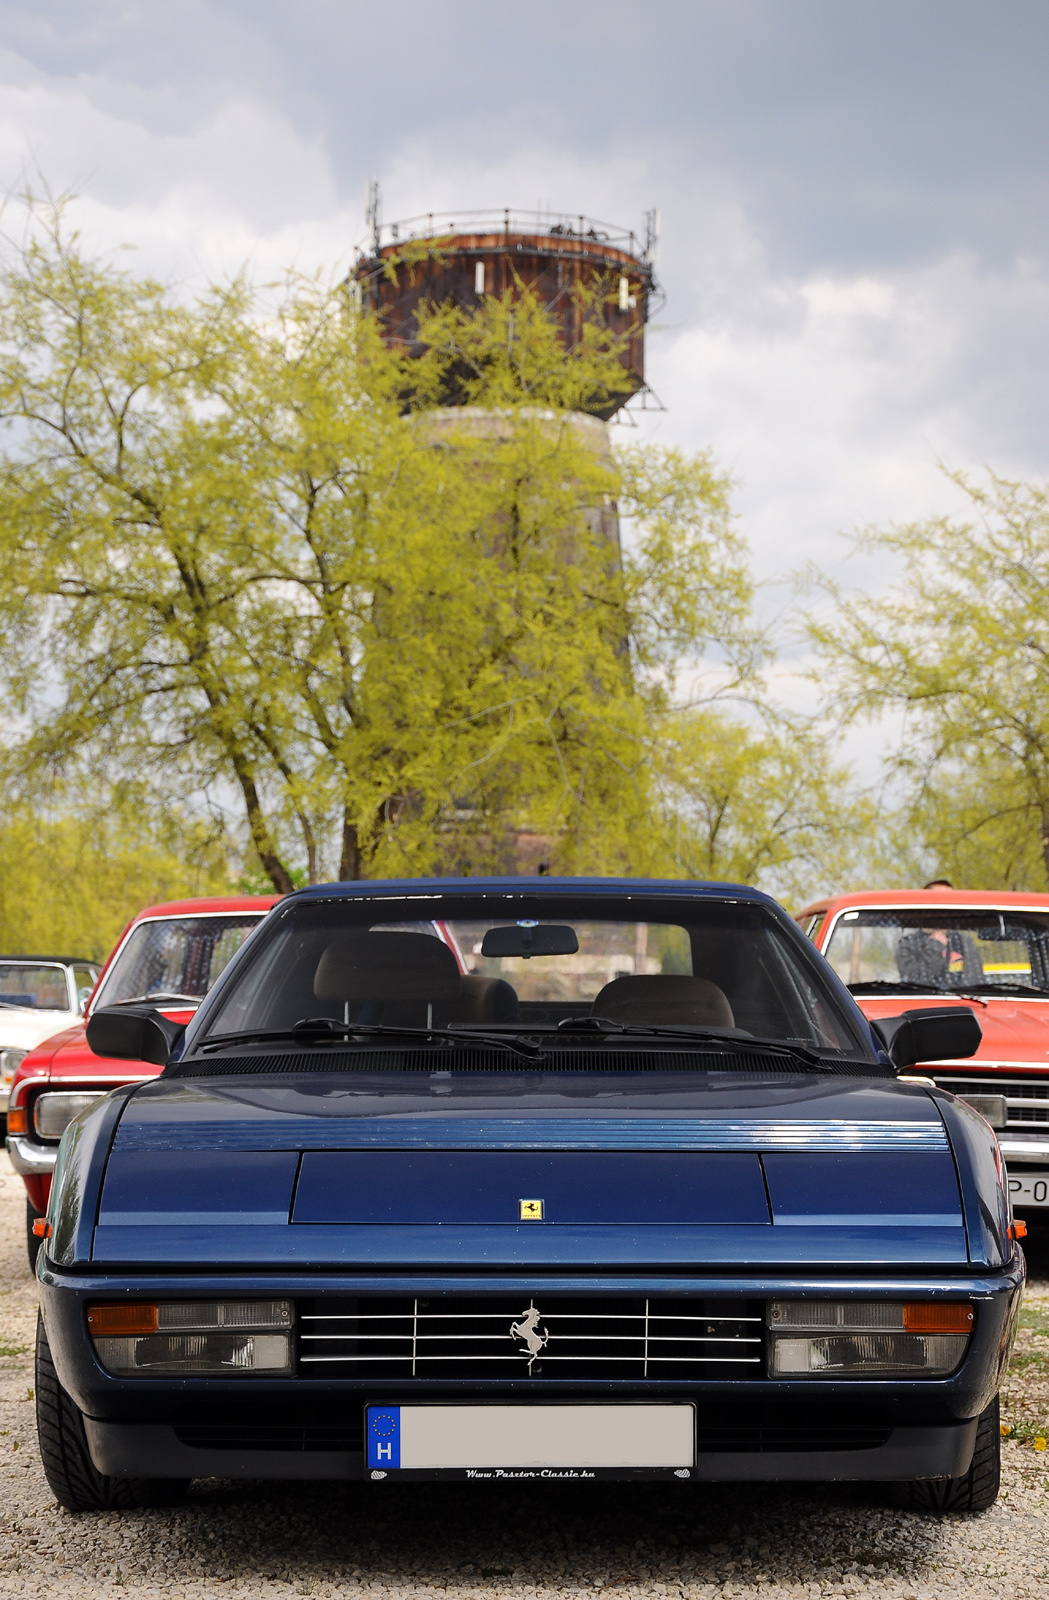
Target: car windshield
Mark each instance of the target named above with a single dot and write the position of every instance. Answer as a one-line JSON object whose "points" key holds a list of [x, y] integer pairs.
{"points": [[521, 964], [939, 948], [37, 986], [172, 957]]}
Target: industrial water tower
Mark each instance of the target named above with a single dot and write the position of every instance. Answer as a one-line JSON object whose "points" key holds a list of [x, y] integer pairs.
{"points": [[459, 259]]}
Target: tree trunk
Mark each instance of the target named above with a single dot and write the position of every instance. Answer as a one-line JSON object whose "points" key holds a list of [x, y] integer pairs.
{"points": [[350, 860], [261, 837]]}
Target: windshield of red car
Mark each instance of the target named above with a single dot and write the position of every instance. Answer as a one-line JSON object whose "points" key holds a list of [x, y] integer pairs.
{"points": [[533, 963], [942, 949], [171, 957]]}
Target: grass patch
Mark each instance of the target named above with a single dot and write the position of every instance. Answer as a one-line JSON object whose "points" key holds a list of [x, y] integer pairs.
{"points": [[1025, 1431], [13, 1349], [1021, 1363]]}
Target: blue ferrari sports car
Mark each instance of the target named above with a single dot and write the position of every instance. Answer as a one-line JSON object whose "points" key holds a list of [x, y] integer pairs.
{"points": [[527, 1179]]}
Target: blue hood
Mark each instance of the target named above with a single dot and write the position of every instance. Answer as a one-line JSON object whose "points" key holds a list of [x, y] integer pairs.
{"points": [[637, 1172]]}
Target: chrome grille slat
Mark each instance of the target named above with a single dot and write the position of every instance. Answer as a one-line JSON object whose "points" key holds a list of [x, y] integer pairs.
{"points": [[739, 1361], [633, 1337], [560, 1316], [1017, 1094]]}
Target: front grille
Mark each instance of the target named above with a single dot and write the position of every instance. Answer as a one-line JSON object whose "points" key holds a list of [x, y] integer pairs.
{"points": [[549, 1338], [1026, 1103]]}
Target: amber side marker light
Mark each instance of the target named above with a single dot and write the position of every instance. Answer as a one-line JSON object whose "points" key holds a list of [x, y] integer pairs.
{"points": [[16, 1120], [130, 1319], [929, 1317], [1018, 1229], [41, 1228]]}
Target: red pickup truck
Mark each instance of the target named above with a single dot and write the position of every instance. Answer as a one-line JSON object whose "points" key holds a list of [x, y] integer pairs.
{"points": [[905, 949], [169, 955]]}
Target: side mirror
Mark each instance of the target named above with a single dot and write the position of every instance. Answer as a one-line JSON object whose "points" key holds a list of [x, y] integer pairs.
{"points": [[133, 1034], [938, 1033]]}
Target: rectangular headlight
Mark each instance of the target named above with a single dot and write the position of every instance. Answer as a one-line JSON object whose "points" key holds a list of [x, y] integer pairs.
{"points": [[53, 1111], [992, 1107], [158, 1354], [860, 1338], [219, 1336], [858, 1355]]}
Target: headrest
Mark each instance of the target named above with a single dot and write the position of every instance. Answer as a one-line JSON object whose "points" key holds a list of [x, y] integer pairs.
{"points": [[665, 997], [366, 965], [484, 1000]]}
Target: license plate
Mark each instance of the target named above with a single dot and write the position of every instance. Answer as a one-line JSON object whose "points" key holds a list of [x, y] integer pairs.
{"points": [[1028, 1188], [515, 1441]]}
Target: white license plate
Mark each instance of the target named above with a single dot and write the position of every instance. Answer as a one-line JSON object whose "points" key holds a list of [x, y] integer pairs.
{"points": [[1028, 1188], [530, 1441]]}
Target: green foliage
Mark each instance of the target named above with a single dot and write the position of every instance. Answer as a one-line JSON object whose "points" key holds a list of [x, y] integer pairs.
{"points": [[687, 582], [755, 802], [962, 648], [69, 883], [507, 352]]}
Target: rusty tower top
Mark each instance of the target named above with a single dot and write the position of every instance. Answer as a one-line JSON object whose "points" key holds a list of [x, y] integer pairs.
{"points": [[478, 253]]}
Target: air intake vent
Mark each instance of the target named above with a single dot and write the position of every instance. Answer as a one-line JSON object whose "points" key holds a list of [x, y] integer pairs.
{"points": [[773, 1427], [556, 1059], [232, 1425]]}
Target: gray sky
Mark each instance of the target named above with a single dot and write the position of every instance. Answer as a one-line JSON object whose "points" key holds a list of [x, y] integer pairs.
{"points": [[854, 195]]}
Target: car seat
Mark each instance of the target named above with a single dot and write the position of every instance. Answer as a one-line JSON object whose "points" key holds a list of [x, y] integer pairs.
{"points": [[410, 980], [481, 1000], [665, 997]]}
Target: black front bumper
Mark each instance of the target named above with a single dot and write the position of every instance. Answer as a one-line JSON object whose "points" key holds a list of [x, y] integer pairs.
{"points": [[156, 1450], [762, 1429]]}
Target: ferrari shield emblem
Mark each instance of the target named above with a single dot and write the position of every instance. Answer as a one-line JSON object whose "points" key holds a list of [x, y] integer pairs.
{"points": [[531, 1211]]}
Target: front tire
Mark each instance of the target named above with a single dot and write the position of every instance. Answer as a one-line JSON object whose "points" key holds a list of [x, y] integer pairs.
{"points": [[975, 1490], [75, 1481]]}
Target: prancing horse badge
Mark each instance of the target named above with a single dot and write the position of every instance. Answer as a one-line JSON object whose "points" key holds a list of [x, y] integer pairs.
{"points": [[531, 1211]]}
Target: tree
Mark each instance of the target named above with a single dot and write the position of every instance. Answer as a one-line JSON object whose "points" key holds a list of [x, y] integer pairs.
{"points": [[755, 801], [961, 648], [243, 551], [73, 876]]}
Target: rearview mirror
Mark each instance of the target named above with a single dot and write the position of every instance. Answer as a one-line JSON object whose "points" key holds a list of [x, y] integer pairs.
{"points": [[133, 1034], [938, 1033], [530, 939]]}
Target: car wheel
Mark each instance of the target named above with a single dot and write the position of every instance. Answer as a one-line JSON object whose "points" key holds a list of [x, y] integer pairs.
{"points": [[975, 1490], [76, 1482], [32, 1243]]}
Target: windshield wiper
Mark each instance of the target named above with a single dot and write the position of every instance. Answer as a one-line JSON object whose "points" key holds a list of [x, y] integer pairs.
{"points": [[1020, 989], [162, 997], [969, 991], [311, 1028], [901, 986], [731, 1042]]}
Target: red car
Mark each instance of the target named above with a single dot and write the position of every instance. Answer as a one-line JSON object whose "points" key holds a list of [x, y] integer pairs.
{"points": [[168, 955], [904, 949]]}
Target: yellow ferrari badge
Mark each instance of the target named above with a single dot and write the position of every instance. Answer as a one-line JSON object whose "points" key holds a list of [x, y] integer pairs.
{"points": [[531, 1211]]}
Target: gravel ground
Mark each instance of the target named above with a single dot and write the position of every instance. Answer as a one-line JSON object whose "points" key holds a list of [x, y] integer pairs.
{"points": [[470, 1542]]}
